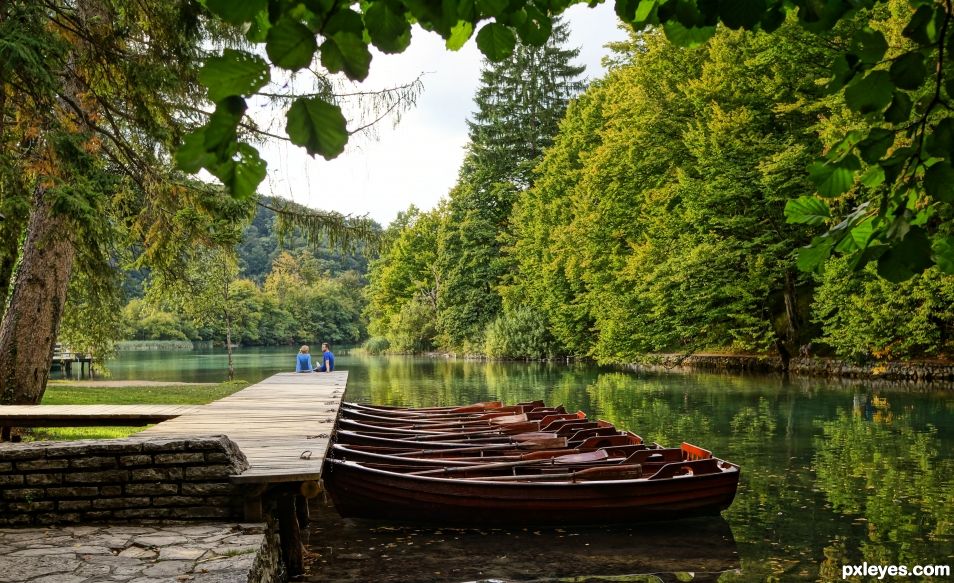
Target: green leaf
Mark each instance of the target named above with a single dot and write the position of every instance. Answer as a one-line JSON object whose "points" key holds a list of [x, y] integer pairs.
{"points": [[813, 256], [807, 210], [389, 29], [862, 233], [871, 93], [900, 109], [773, 19], [873, 176], [346, 52], [258, 29], [492, 7], [834, 178], [496, 41], [909, 70], [645, 11], [290, 44], [917, 27], [944, 254], [344, 20], [460, 34], [940, 142], [535, 30], [220, 132], [233, 73], [236, 11], [906, 258], [192, 156], [876, 145], [681, 36], [318, 126], [939, 182], [741, 13], [242, 174], [870, 45], [843, 69]]}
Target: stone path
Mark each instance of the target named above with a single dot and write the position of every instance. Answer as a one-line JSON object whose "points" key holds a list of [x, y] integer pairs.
{"points": [[205, 553]]}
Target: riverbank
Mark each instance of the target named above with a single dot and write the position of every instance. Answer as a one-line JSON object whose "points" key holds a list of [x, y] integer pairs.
{"points": [[903, 371], [897, 371]]}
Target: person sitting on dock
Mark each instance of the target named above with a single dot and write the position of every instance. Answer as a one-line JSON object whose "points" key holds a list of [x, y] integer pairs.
{"points": [[327, 359], [303, 364]]}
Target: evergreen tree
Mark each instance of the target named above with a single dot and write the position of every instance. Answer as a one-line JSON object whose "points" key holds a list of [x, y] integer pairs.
{"points": [[520, 103]]}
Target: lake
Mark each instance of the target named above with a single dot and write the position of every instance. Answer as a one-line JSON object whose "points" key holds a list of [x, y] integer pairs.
{"points": [[833, 473]]}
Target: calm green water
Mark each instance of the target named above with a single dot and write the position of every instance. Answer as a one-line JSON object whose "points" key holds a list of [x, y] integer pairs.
{"points": [[832, 473]]}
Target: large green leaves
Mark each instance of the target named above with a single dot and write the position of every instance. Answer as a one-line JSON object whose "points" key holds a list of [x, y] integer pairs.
{"points": [[346, 52], [233, 73], [907, 258], [242, 173], [236, 11], [388, 27], [317, 126], [807, 210], [290, 44], [870, 93], [834, 178], [496, 41]]}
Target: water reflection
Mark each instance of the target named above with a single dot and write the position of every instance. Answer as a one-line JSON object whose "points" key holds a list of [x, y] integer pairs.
{"points": [[348, 551], [833, 473]]}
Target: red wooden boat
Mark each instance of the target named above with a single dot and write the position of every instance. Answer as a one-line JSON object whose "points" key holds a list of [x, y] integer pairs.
{"points": [[593, 495], [489, 463]]}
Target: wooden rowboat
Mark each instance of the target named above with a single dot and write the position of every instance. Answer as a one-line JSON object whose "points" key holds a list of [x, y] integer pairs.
{"points": [[514, 465], [675, 490]]}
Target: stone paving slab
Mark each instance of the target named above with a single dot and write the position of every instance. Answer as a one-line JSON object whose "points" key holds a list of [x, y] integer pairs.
{"points": [[204, 553]]}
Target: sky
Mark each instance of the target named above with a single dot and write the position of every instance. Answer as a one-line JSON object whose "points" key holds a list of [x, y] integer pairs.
{"points": [[415, 161]]}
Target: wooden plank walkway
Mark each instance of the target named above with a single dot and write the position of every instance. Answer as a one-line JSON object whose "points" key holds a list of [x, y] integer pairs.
{"points": [[283, 424], [89, 415]]}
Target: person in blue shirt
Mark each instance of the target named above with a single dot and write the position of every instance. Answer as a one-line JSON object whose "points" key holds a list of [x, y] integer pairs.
{"points": [[303, 364], [327, 359]]}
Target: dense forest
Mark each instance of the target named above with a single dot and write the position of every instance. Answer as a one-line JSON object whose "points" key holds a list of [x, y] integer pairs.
{"points": [[666, 212], [662, 208], [282, 290]]}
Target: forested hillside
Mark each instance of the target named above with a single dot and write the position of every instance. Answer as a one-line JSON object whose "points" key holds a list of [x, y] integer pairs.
{"points": [[656, 222], [281, 290]]}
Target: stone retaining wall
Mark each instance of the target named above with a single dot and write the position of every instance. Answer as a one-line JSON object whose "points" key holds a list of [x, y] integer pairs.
{"points": [[119, 481]]}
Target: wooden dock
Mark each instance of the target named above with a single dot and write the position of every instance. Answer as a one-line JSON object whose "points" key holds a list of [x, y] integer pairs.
{"points": [[283, 425]]}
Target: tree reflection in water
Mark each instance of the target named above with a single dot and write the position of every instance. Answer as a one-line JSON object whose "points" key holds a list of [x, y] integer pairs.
{"points": [[832, 473]]}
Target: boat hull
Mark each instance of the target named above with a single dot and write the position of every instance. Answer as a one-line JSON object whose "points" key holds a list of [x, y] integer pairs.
{"points": [[363, 492]]}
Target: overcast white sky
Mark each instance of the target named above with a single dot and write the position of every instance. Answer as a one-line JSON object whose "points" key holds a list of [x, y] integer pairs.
{"points": [[415, 162]]}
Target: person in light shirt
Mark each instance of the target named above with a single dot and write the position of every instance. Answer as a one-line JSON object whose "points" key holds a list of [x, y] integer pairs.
{"points": [[303, 363]]}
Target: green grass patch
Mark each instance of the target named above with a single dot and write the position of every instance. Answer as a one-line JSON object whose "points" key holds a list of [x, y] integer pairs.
{"points": [[155, 395], [74, 433], [132, 395]]}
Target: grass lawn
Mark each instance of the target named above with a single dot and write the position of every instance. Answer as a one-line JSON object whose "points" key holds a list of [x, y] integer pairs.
{"points": [[127, 395]]}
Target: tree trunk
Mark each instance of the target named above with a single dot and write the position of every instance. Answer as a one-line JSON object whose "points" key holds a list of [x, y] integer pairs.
{"points": [[228, 338], [791, 309], [32, 321]]}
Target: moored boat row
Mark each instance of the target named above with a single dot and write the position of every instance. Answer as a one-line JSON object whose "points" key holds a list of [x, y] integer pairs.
{"points": [[521, 464]]}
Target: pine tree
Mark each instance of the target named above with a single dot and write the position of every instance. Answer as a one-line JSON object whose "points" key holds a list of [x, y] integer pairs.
{"points": [[520, 103]]}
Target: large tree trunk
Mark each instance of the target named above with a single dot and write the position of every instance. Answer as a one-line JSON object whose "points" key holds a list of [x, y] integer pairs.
{"points": [[31, 323]]}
